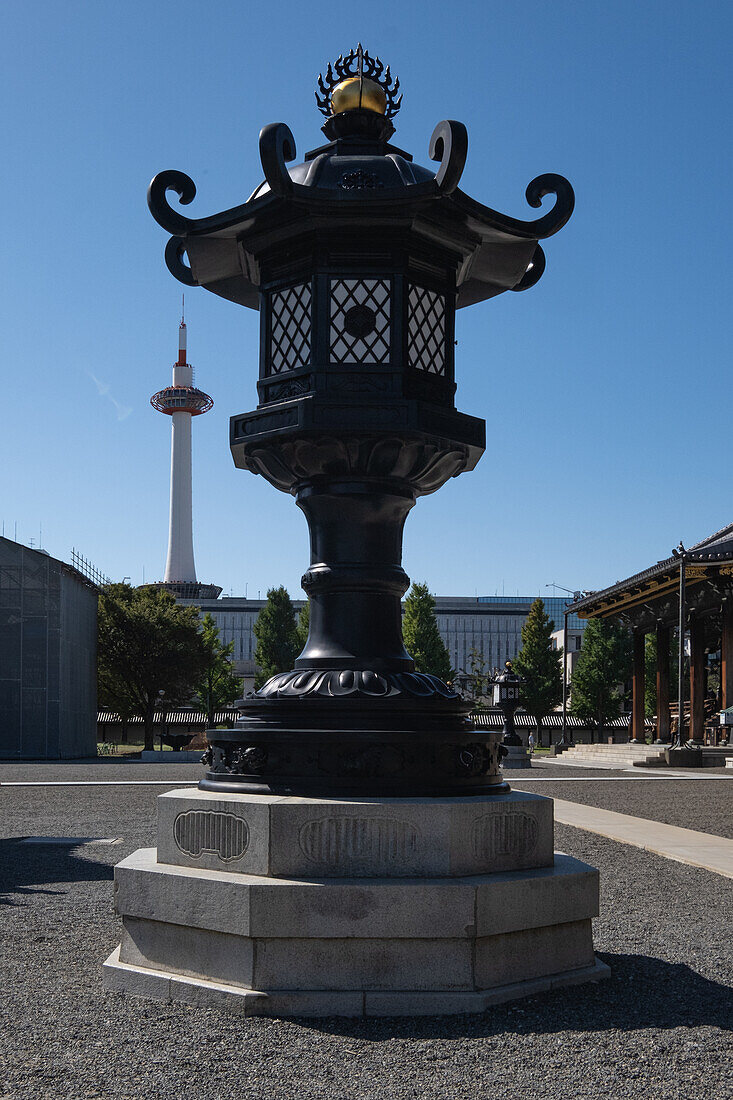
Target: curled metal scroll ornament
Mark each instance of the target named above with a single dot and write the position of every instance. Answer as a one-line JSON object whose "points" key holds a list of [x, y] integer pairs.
{"points": [[549, 184], [449, 145], [350, 682], [174, 251], [160, 208], [534, 272], [277, 145]]}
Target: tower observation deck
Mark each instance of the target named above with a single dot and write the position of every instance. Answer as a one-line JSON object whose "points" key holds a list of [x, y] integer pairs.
{"points": [[182, 401]]}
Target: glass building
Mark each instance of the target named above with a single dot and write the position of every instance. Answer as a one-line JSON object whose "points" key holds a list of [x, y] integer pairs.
{"points": [[490, 624]]}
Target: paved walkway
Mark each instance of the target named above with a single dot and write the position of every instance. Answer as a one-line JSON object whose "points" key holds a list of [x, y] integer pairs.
{"points": [[714, 853]]}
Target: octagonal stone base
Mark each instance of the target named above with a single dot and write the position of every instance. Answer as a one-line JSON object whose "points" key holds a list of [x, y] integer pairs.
{"points": [[290, 906]]}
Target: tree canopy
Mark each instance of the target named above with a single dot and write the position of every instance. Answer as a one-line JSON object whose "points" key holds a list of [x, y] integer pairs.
{"points": [[421, 635], [149, 650], [277, 636], [604, 664], [476, 672], [304, 622], [219, 685], [539, 665]]}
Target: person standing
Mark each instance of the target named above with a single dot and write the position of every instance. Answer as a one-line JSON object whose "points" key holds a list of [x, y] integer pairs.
{"points": [[530, 742]]}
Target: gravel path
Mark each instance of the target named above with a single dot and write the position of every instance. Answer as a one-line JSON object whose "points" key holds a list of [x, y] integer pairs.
{"points": [[96, 771], [701, 804], [656, 1030]]}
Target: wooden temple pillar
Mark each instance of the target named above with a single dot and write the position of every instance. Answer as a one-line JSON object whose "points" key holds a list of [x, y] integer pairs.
{"points": [[638, 734], [663, 636], [697, 680], [726, 655]]}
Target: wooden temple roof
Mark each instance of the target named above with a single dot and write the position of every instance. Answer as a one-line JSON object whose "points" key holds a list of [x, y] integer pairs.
{"points": [[651, 594]]}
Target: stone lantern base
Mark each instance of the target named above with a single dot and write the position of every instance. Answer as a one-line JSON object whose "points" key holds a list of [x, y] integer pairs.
{"points": [[283, 906], [517, 756]]}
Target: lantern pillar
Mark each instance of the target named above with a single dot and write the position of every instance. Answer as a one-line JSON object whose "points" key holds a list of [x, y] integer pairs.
{"points": [[355, 581]]}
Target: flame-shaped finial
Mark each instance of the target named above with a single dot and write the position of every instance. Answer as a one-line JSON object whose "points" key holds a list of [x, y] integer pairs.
{"points": [[358, 81]]}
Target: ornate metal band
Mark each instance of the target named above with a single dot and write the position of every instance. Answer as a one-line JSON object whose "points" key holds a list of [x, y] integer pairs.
{"points": [[331, 578], [397, 764]]}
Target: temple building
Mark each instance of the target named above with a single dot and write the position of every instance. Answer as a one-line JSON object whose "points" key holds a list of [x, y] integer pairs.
{"points": [[695, 587]]}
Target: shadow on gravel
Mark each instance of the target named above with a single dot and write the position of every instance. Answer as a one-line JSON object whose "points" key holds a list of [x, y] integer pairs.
{"points": [[642, 992], [28, 868]]}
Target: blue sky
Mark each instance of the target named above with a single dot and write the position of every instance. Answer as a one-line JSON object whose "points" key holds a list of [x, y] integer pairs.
{"points": [[604, 388]]}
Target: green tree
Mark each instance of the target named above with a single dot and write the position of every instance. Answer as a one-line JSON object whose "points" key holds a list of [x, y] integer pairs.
{"points": [[421, 635], [147, 645], [540, 666], [219, 684], [604, 665], [277, 636], [304, 622], [477, 676]]}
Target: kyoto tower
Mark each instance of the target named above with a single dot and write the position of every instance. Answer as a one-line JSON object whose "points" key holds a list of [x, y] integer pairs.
{"points": [[182, 401]]}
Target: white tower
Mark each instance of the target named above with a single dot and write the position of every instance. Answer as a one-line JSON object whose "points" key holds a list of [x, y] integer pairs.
{"points": [[182, 401]]}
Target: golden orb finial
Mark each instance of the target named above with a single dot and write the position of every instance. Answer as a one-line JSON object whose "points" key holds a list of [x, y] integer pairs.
{"points": [[358, 82], [358, 92]]}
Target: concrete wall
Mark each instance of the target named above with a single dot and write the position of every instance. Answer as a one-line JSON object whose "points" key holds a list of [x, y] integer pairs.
{"points": [[48, 629]]}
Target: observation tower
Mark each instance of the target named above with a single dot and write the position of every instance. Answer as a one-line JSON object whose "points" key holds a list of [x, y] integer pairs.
{"points": [[182, 401]]}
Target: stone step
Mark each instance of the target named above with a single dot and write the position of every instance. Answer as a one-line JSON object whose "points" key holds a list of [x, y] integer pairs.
{"points": [[307, 945], [623, 750], [643, 750], [617, 761], [616, 755], [625, 746]]}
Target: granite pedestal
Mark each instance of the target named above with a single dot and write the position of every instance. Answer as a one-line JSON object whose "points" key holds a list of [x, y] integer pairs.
{"points": [[285, 906], [517, 756]]}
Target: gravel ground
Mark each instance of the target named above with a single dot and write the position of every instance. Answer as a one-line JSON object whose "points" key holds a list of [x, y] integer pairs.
{"points": [[104, 770], [658, 1029], [702, 804]]}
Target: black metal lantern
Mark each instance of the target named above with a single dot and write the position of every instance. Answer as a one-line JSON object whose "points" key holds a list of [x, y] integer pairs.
{"points": [[357, 259], [506, 697]]}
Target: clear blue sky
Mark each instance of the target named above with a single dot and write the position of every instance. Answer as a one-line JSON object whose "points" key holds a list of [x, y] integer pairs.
{"points": [[606, 388]]}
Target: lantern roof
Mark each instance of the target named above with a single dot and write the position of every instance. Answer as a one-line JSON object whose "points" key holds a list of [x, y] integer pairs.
{"points": [[358, 180]]}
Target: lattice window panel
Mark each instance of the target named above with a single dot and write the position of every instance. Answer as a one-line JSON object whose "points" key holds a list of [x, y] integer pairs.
{"points": [[290, 328], [369, 294], [426, 330]]}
